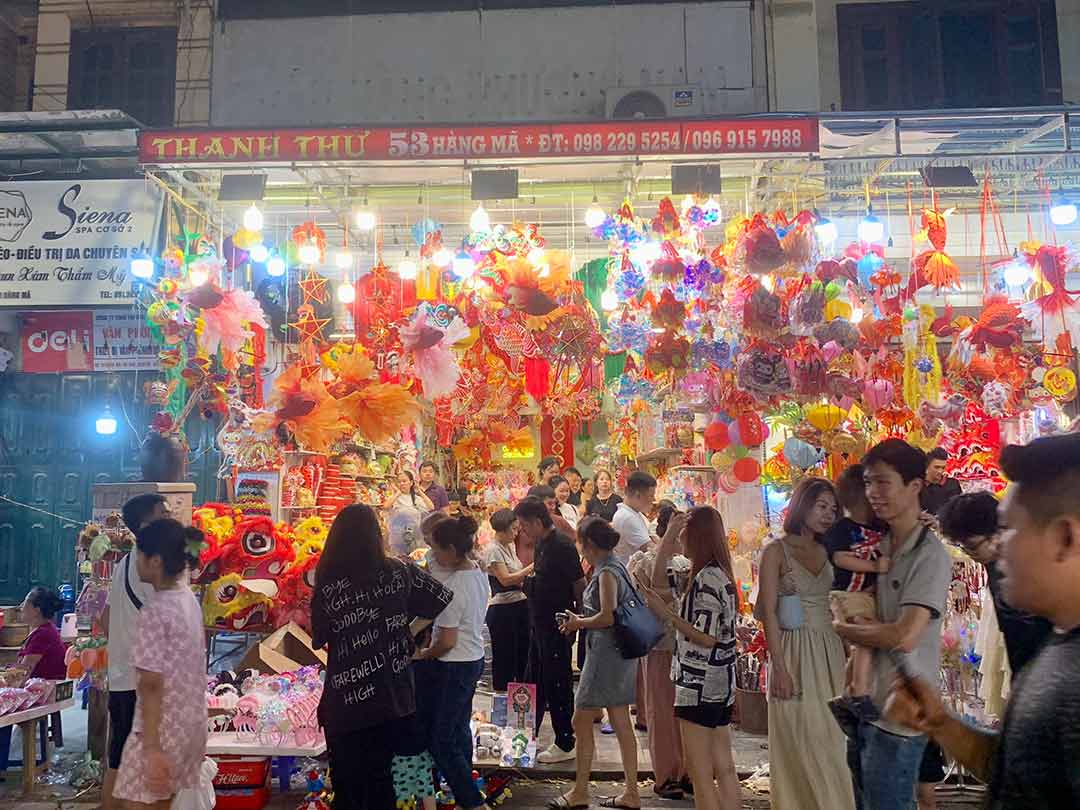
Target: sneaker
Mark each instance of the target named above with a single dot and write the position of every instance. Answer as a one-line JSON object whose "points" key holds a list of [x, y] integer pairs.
{"points": [[607, 729], [553, 754]]}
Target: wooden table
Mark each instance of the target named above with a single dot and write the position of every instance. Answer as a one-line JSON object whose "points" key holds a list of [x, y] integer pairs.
{"points": [[226, 744], [26, 720]]}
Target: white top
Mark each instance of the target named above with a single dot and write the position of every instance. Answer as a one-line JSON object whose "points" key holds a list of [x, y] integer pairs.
{"points": [[496, 552], [633, 532], [570, 512], [122, 617], [466, 613]]}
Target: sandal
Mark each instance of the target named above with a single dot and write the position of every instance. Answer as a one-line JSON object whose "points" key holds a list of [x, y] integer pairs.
{"points": [[562, 803], [669, 790], [613, 801]]}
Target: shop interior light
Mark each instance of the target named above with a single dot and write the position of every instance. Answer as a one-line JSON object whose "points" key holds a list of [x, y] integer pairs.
{"points": [[1017, 273], [142, 267], [343, 259], [309, 253], [463, 265], [768, 281], [346, 292], [609, 300], [275, 265], [366, 220], [442, 257], [594, 214], [825, 229], [407, 269], [536, 256], [856, 315], [480, 220], [253, 218], [871, 229], [1063, 212], [645, 253], [198, 277], [106, 424], [259, 253]]}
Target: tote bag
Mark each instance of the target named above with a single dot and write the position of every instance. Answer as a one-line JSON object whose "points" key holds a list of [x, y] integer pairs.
{"points": [[637, 630]]}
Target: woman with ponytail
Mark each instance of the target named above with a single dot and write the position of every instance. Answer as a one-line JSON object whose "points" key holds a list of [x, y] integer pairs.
{"points": [[449, 667], [166, 747]]}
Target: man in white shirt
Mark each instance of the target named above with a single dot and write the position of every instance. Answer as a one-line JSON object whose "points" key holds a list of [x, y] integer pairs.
{"points": [[127, 595], [630, 521]]}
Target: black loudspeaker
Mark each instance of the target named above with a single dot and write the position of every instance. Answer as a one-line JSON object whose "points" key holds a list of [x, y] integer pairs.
{"points": [[697, 178], [495, 185], [949, 177], [242, 187]]}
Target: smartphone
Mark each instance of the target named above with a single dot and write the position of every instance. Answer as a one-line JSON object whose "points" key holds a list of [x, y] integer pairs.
{"points": [[562, 617]]}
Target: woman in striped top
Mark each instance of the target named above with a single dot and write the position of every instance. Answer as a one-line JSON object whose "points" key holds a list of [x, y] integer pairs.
{"points": [[703, 667]]}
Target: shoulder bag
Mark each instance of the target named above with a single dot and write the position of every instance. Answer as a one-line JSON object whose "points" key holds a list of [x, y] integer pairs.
{"points": [[637, 629], [789, 609]]}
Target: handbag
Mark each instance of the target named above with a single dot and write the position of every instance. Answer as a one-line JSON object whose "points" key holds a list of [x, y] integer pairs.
{"points": [[789, 609], [636, 629]]}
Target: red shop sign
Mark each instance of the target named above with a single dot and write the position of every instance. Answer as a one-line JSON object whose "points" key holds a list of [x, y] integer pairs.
{"points": [[733, 136], [57, 341]]}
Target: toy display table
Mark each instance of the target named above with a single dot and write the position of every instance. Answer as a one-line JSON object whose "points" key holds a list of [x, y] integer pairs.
{"points": [[27, 721], [226, 744]]}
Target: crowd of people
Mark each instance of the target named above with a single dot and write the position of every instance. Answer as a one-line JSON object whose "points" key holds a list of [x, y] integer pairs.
{"points": [[851, 597]]}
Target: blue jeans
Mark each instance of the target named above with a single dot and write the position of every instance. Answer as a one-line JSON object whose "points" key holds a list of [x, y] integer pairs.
{"points": [[884, 768], [444, 698]]}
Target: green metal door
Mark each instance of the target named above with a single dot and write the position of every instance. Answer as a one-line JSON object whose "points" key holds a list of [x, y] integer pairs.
{"points": [[50, 457]]}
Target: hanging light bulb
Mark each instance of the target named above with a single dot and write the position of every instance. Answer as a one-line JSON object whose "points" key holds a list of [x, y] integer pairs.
{"points": [[594, 214], [463, 265], [407, 269], [106, 424], [825, 229], [198, 276], [275, 266], [346, 292], [480, 221], [536, 256], [609, 300], [1063, 212], [856, 315], [259, 253], [253, 219], [442, 257], [343, 259], [768, 281], [1017, 273], [142, 267], [366, 220], [309, 252], [871, 229]]}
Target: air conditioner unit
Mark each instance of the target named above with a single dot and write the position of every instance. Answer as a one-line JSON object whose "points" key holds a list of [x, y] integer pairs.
{"points": [[655, 101]]}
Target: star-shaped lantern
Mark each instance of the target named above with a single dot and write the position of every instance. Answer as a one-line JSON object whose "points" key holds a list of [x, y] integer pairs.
{"points": [[309, 327], [313, 286]]}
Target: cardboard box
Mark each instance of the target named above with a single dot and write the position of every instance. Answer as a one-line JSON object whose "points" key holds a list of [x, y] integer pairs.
{"points": [[109, 498], [287, 649]]}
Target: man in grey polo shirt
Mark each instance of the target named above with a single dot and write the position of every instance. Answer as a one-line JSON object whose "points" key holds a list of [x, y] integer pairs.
{"points": [[884, 757]]}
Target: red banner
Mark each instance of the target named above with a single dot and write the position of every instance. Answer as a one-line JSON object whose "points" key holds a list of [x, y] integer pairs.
{"points": [[732, 136], [57, 341]]}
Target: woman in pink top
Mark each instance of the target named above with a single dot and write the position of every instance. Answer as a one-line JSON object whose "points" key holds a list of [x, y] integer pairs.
{"points": [[168, 741]]}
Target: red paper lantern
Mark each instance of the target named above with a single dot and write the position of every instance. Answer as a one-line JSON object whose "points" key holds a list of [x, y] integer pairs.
{"points": [[751, 429], [716, 436], [747, 470]]}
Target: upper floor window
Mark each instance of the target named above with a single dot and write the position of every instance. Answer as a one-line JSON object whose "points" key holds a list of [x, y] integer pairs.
{"points": [[129, 69], [957, 53]]}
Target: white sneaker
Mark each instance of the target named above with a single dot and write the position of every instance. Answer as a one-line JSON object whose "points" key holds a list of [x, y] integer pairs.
{"points": [[554, 754]]}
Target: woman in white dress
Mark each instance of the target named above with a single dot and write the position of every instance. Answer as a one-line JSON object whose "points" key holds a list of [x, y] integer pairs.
{"points": [[406, 504], [807, 753]]}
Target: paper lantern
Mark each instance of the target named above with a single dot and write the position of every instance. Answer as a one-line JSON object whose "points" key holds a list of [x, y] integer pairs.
{"points": [[877, 394], [751, 429], [747, 470], [837, 309], [824, 417], [716, 436], [734, 434], [800, 454], [717, 461]]}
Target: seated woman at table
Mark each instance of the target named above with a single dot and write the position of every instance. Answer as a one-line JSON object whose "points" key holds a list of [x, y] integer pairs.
{"points": [[42, 654]]}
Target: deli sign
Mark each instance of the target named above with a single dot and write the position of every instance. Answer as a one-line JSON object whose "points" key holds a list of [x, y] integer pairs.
{"points": [[57, 341], [71, 243]]}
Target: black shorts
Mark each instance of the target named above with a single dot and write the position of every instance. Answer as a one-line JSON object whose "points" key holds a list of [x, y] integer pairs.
{"points": [[121, 718], [932, 767], [709, 715]]}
